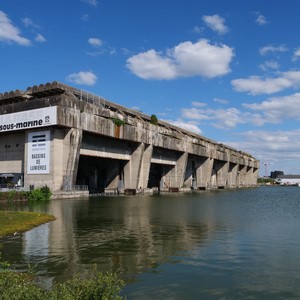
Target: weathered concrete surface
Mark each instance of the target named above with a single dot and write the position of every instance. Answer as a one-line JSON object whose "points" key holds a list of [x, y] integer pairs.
{"points": [[135, 150]]}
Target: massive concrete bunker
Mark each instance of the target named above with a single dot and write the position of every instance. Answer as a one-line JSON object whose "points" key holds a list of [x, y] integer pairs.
{"points": [[65, 138]]}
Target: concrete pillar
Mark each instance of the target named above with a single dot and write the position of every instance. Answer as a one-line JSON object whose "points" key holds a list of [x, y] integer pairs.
{"points": [[254, 177], [204, 173], [72, 145], [132, 168], [145, 167], [113, 175], [242, 176], [176, 174], [221, 168], [190, 178], [232, 175], [249, 177]]}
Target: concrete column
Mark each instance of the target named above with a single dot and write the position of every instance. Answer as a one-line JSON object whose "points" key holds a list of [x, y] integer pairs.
{"points": [[221, 169], [132, 168], [232, 175], [254, 177], [249, 176], [113, 176], [204, 173], [145, 167], [72, 145], [242, 176], [175, 176]]}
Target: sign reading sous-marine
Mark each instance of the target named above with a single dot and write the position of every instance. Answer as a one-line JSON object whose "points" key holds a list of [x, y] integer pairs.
{"points": [[28, 119]]}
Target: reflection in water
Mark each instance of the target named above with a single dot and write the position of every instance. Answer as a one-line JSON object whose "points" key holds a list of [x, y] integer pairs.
{"points": [[228, 244]]}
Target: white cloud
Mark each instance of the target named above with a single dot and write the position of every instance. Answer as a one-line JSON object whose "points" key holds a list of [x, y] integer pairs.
{"points": [[184, 60], [10, 33], [95, 42], [274, 110], [39, 38], [256, 85], [269, 65], [151, 65], [278, 147], [220, 118], [91, 2], [82, 78], [221, 101], [296, 54], [215, 23], [277, 109], [261, 20], [266, 49], [190, 126], [198, 104]]}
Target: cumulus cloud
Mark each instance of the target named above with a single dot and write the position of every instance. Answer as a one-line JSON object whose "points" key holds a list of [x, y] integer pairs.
{"points": [[272, 49], [215, 23], [9, 33], [190, 126], [277, 109], [256, 85], [95, 42], [277, 147], [220, 118], [82, 78], [184, 60]]}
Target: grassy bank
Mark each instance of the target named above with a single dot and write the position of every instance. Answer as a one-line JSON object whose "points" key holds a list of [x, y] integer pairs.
{"points": [[16, 221], [20, 286]]}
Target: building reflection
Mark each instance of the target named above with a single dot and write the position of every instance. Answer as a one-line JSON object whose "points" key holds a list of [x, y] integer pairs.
{"points": [[126, 235]]}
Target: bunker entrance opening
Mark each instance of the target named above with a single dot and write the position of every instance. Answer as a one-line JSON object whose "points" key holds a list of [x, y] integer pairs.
{"points": [[159, 177], [100, 174]]}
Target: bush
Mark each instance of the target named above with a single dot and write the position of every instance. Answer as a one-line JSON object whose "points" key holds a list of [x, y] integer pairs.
{"points": [[40, 194], [14, 195], [154, 120]]}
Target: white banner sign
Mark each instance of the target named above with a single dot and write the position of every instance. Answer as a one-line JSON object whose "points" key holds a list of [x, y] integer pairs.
{"points": [[29, 119], [38, 159]]}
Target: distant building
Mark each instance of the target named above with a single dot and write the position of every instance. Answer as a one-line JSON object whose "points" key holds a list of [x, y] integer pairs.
{"points": [[275, 174]]}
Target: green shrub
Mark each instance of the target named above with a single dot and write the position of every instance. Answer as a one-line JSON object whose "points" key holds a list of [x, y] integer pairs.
{"points": [[118, 122], [14, 195], [40, 194], [154, 120], [11, 195]]}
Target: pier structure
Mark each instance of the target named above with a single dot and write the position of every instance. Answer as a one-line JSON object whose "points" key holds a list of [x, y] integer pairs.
{"points": [[65, 138]]}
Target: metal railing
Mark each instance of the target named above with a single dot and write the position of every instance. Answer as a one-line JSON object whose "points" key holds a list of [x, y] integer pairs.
{"points": [[75, 188]]}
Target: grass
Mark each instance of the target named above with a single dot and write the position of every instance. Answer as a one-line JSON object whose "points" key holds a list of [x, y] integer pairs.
{"points": [[17, 221]]}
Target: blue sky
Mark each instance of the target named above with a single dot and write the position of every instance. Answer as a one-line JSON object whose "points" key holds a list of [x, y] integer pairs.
{"points": [[229, 70]]}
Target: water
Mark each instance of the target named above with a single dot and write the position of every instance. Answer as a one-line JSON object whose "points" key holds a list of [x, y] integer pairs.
{"points": [[237, 244]]}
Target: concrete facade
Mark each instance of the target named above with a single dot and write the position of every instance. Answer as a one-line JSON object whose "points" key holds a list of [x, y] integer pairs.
{"points": [[62, 137]]}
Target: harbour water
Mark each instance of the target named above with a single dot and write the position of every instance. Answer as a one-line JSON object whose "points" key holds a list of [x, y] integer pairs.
{"points": [[227, 244]]}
